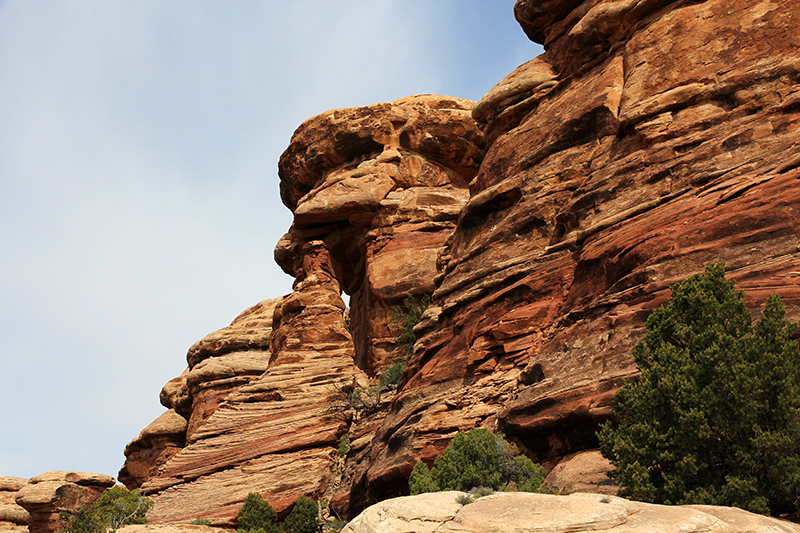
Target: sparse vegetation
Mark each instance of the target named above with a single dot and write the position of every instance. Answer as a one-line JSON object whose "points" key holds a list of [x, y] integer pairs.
{"points": [[713, 419], [117, 507], [344, 445], [201, 522], [478, 458], [352, 401], [391, 376], [258, 516], [405, 318]]}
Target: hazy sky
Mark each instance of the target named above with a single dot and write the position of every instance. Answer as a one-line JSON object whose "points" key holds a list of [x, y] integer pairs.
{"points": [[139, 204]]}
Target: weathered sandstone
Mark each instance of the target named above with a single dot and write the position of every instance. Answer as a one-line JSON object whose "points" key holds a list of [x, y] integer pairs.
{"points": [[219, 364], [582, 472], [516, 512], [376, 192], [275, 434], [13, 518], [48, 494], [382, 187]]}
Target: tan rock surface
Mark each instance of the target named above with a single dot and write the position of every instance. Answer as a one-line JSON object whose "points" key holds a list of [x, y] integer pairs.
{"points": [[219, 364], [155, 445], [13, 518], [528, 512], [48, 494], [582, 472]]}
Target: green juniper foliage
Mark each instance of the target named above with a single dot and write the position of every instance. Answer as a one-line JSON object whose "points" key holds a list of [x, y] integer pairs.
{"points": [[117, 507], [714, 417], [391, 376], [303, 518], [477, 458], [404, 319], [257, 515]]}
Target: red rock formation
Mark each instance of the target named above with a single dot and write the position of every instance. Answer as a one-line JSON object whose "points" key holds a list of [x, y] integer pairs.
{"points": [[650, 139], [219, 364], [382, 186], [376, 192]]}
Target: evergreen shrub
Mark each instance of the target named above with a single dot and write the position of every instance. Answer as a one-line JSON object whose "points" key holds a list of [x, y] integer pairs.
{"points": [[714, 417]]}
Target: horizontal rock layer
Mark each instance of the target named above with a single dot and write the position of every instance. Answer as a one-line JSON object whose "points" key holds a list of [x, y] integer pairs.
{"points": [[513, 512]]}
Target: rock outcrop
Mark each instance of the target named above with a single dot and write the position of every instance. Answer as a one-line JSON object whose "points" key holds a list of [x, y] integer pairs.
{"points": [[13, 518], [513, 512], [547, 220], [48, 494], [376, 192]]}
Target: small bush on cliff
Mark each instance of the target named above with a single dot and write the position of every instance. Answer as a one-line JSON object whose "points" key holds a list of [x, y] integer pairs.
{"points": [[391, 376], [477, 458], [715, 416], [117, 507], [405, 318], [257, 514], [304, 517]]}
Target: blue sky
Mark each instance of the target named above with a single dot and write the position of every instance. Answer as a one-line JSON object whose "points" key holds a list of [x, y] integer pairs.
{"points": [[139, 202]]}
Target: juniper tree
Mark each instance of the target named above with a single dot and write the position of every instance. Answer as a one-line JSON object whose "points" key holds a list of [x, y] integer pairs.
{"points": [[474, 459], [714, 417]]}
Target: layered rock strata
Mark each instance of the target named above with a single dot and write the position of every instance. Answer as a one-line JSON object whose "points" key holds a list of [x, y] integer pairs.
{"points": [[219, 364], [382, 187], [651, 139], [48, 494], [547, 220]]}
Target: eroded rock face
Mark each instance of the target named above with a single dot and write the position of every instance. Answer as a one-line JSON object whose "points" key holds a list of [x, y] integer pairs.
{"points": [[512, 512], [376, 192], [651, 139], [274, 434]]}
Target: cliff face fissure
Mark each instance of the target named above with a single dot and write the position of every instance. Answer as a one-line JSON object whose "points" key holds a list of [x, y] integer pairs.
{"points": [[546, 220]]}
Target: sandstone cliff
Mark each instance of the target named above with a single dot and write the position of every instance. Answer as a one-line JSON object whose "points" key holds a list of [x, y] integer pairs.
{"points": [[547, 220]]}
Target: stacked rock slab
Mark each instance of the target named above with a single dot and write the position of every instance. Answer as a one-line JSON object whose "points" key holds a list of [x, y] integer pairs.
{"points": [[651, 138], [48, 494], [219, 364], [13, 518]]}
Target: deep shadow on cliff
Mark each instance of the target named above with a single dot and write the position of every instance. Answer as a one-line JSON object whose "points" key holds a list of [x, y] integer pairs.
{"points": [[547, 220]]}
